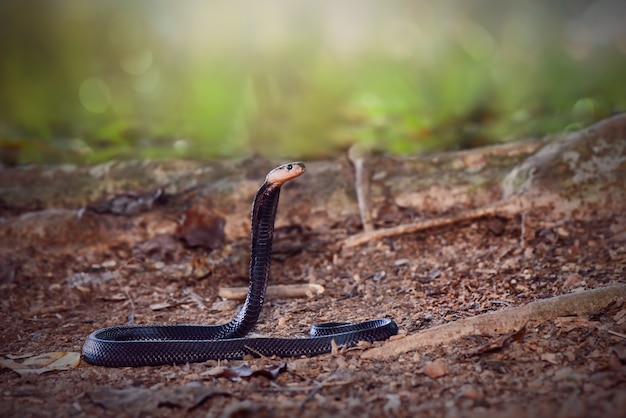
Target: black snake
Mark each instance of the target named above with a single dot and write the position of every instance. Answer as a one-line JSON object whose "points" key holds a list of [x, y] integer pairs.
{"points": [[151, 345]]}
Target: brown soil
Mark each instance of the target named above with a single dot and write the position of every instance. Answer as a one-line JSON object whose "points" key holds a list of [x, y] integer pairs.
{"points": [[572, 366]]}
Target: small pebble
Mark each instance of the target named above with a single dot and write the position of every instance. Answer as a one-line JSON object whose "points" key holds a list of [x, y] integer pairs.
{"points": [[436, 369]]}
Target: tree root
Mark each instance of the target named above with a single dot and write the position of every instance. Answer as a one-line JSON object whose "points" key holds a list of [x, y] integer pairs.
{"points": [[504, 321]]}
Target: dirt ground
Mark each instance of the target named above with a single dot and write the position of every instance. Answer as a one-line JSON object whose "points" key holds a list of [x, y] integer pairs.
{"points": [[569, 367]]}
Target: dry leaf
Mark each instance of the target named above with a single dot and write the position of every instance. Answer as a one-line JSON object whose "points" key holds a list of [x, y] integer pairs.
{"points": [[236, 373], [202, 227], [42, 363], [549, 357], [500, 342], [136, 400], [214, 371], [244, 370], [160, 306], [128, 203]]}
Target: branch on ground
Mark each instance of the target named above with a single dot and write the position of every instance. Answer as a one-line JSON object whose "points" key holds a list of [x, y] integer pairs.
{"points": [[504, 321], [507, 207]]}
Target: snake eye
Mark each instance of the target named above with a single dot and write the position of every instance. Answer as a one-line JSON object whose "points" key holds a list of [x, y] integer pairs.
{"points": [[289, 167]]}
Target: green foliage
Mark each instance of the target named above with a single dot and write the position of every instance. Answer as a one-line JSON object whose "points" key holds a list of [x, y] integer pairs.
{"points": [[88, 82]]}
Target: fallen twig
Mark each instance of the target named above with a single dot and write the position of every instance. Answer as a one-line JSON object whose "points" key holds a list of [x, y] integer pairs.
{"points": [[131, 313], [503, 207], [47, 311], [358, 155], [324, 383], [505, 321], [617, 334], [276, 291]]}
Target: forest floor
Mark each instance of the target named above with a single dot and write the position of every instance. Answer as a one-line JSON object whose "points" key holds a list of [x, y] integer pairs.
{"points": [[572, 366], [66, 272]]}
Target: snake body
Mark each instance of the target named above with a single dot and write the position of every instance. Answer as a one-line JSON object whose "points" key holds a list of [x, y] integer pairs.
{"points": [[152, 345]]}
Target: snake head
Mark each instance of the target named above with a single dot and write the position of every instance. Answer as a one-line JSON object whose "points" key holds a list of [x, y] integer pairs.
{"points": [[283, 173]]}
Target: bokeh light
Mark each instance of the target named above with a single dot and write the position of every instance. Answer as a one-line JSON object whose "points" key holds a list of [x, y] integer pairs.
{"points": [[300, 78], [94, 95]]}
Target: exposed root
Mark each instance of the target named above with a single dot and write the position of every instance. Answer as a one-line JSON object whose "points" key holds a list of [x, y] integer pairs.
{"points": [[504, 321]]}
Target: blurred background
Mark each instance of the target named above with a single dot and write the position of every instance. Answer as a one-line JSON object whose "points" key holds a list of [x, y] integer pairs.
{"points": [[88, 81]]}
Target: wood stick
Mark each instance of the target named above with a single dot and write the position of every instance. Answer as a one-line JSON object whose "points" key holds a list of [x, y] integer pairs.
{"points": [[277, 291], [504, 207], [504, 321], [358, 155]]}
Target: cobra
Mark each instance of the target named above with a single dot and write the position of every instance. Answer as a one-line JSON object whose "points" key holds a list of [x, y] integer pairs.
{"points": [[152, 345]]}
